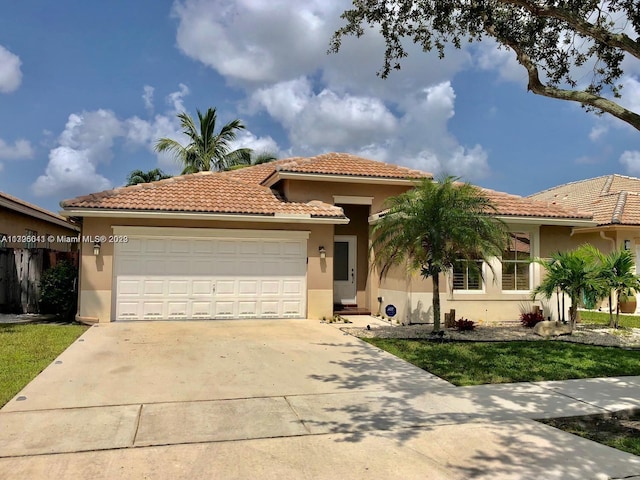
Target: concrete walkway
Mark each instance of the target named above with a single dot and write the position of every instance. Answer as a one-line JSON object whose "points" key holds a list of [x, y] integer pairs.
{"points": [[288, 399]]}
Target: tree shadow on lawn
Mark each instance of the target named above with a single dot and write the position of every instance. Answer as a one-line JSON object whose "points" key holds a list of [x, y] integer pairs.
{"points": [[381, 395]]}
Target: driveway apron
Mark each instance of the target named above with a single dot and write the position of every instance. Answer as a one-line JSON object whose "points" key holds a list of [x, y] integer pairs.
{"points": [[283, 399]]}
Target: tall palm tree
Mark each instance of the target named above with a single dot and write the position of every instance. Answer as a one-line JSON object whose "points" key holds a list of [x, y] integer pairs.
{"points": [[435, 226], [138, 176], [575, 273], [256, 159], [206, 150]]}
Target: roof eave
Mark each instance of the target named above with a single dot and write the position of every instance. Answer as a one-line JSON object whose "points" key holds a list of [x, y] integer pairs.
{"points": [[233, 217], [328, 177], [25, 210], [559, 221]]}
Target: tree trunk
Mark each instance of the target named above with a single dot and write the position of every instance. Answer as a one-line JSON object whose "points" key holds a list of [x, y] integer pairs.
{"points": [[615, 325], [436, 302], [573, 313], [611, 321]]}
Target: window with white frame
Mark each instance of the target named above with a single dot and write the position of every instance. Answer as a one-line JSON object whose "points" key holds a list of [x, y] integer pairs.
{"points": [[516, 262], [467, 275]]}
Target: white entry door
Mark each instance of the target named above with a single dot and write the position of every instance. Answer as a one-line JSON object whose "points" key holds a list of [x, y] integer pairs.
{"points": [[344, 269]]}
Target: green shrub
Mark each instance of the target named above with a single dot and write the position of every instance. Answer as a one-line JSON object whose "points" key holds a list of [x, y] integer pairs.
{"points": [[58, 290]]}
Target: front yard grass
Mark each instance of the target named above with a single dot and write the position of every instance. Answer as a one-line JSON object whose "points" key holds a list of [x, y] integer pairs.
{"points": [[25, 350], [468, 363], [602, 318]]}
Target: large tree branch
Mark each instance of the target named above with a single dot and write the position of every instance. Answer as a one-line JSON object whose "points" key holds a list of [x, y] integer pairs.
{"points": [[580, 96], [601, 34]]}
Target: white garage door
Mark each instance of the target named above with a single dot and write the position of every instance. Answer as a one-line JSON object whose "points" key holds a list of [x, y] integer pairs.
{"points": [[207, 277]]}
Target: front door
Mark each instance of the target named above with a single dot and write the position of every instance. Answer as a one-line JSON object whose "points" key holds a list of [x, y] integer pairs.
{"points": [[344, 269]]}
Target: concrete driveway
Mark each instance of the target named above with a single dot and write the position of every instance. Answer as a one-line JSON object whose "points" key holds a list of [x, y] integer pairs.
{"points": [[285, 399]]}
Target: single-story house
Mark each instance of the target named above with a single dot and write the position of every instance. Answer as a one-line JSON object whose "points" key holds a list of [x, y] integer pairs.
{"points": [[614, 202], [285, 239], [24, 225]]}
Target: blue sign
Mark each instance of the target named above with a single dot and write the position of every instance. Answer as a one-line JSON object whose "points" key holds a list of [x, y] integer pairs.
{"points": [[390, 310]]}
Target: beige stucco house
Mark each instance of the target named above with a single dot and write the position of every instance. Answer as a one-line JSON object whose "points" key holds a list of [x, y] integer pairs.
{"points": [[24, 225], [614, 202], [288, 239]]}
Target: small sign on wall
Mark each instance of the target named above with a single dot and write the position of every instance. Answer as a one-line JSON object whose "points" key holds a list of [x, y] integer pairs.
{"points": [[390, 310]]}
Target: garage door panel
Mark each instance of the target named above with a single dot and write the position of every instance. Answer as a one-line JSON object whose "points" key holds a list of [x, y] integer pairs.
{"points": [[178, 309], [201, 309], [153, 287], [129, 287], [181, 278], [153, 309], [177, 287], [248, 287], [156, 246], [270, 287], [202, 287]]}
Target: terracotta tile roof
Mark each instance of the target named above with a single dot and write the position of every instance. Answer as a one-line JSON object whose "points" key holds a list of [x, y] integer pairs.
{"points": [[11, 201], [515, 205], [256, 174], [205, 192], [348, 164], [612, 199]]}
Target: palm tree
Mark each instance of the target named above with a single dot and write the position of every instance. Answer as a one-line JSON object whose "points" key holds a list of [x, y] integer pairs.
{"points": [[575, 273], [206, 150], [616, 271], [138, 176], [435, 226]]}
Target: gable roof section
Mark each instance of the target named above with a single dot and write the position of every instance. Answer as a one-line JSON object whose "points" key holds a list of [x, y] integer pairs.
{"points": [[205, 192], [509, 205], [29, 209], [335, 166], [612, 199]]}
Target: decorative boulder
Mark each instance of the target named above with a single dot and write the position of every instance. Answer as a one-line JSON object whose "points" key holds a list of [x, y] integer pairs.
{"points": [[551, 329]]}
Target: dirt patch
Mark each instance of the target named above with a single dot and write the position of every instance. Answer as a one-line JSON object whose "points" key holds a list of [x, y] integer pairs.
{"points": [[619, 430]]}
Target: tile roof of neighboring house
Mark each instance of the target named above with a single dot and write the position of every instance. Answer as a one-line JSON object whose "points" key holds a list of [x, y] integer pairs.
{"points": [[205, 192], [612, 199], [515, 205], [14, 203]]}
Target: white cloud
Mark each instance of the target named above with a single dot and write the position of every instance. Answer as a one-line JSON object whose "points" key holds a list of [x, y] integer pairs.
{"points": [[631, 160], [10, 73], [246, 139], [20, 149], [147, 97], [489, 56], [598, 131]]}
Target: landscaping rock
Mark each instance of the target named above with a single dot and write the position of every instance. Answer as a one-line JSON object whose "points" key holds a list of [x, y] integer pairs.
{"points": [[551, 329]]}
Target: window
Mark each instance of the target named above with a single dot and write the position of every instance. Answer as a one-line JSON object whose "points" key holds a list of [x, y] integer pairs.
{"points": [[516, 260], [466, 277], [30, 241]]}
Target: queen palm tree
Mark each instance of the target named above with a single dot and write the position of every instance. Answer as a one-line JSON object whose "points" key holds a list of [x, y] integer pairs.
{"points": [[139, 176], [433, 227], [206, 150]]}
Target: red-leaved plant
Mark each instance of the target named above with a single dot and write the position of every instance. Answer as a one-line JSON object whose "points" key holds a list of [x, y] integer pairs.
{"points": [[530, 319], [464, 325]]}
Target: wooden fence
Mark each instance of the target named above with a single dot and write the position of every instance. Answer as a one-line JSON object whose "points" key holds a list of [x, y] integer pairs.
{"points": [[20, 272]]}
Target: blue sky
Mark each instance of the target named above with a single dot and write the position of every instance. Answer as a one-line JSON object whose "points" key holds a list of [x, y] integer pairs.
{"points": [[86, 88]]}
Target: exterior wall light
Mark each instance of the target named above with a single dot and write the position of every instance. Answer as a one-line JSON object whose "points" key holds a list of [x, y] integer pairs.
{"points": [[96, 248], [322, 251], [627, 244]]}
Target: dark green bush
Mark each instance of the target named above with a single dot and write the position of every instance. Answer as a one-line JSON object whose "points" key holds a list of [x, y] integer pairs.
{"points": [[58, 290], [464, 325]]}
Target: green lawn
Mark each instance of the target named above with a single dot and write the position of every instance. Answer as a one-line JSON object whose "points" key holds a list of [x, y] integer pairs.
{"points": [[468, 363], [592, 316], [25, 350]]}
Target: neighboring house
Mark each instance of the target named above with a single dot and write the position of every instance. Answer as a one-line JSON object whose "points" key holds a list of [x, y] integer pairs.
{"points": [[614, 202], [284, 239], [23, 225]]}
